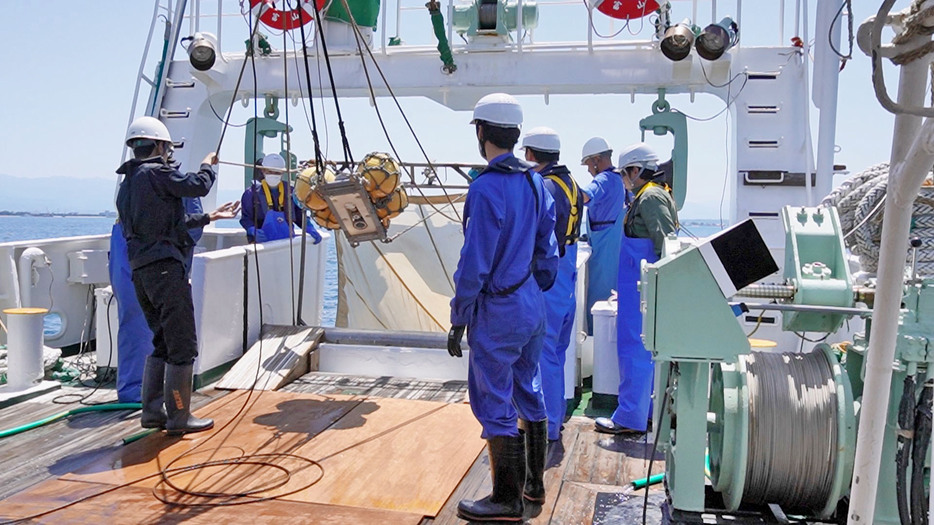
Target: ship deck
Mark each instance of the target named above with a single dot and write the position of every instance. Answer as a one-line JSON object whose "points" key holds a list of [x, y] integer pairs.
{"points": [[396, 451]]}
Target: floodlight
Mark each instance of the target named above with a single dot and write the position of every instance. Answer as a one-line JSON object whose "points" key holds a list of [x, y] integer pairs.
{"points": [[202, 51], [717, 38], [678, 40]]}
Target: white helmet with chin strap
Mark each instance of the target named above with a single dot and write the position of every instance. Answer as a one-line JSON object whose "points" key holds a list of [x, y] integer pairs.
{"points": [[147, 128], [639, 154], [542, 139], [498, 109], [592, 147]]}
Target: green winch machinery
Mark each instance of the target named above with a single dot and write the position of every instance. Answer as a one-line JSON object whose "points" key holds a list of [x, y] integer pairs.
{"points": [[494, 17], [780, 427]]}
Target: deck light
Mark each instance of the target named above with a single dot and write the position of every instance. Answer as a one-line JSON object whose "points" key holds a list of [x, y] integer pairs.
{"points": [[202, 51], [717, 38], [678, 40]]}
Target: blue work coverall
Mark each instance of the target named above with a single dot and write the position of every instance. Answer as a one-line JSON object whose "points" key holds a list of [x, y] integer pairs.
{"points": [[636, 369], [605, 211], [509, 222], [560, 300], [263, 209]]}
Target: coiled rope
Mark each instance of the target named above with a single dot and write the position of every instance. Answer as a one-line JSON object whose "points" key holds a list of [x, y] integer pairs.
{"points": [[860, 204], [792, 430]]}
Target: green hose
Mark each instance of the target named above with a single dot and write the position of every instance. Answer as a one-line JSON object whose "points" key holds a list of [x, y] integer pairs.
{"points": [[437, 23], [657, 478], [73, 411], [644, 482]]}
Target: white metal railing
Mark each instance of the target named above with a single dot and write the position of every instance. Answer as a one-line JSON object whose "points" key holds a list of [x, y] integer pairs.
{"points": [[403, 15], [409, 21]]}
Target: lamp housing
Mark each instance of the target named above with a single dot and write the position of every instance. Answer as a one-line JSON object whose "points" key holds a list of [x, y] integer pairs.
{"points": [[717, 38], [678, 40]]}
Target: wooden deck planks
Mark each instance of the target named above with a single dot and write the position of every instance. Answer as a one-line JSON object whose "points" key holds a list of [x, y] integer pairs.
{"points": [[571, 485], [373, 452], [137, 505], [274, 422], [395, 454], [585, 464], [65, 445], [280, 355]]}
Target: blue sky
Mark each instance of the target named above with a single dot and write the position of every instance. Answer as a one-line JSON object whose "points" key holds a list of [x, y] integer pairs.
{"points": [[69, 70]]}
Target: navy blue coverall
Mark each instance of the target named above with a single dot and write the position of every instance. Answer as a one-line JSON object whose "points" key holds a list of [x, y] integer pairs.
{"points": [[509, 256]]}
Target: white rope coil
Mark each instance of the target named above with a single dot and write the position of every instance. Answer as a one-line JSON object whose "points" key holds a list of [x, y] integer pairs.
{"points": [[860, 202], [792, 447]]}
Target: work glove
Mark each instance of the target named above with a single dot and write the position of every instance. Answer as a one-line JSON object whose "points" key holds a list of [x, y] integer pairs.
{"points": [[312, 231], [454, 340], [255, 233]]}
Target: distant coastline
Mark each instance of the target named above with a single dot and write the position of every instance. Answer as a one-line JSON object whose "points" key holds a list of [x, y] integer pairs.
{"points": [[7, 213]]}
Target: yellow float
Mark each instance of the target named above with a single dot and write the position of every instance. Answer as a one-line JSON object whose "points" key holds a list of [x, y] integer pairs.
{"points": [[380, 173]]}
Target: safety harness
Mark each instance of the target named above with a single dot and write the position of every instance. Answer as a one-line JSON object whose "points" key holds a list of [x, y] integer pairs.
{"points": [[562, 178], [281, 189]]}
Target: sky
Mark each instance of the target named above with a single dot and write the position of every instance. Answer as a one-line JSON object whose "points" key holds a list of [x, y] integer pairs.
{"points": [[69, 70]]}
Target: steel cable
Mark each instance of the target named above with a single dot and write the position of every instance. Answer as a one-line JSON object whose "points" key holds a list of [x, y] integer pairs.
{"points": [[792, 430]]}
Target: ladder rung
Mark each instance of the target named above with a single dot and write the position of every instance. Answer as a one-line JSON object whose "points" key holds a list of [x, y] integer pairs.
{"points": [[761, 109], [179, 84], [175, 114], [763, 143]]}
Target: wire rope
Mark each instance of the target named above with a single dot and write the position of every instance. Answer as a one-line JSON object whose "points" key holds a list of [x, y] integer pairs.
{"points": [[792, 399], [405, 118], [348, 157]]}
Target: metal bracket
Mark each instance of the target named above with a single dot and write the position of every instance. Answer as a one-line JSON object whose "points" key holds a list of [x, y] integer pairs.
{"points": [[351, 205], [662, 121]]}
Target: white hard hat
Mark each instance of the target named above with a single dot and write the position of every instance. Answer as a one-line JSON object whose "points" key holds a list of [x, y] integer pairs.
{"points": [[542, 139], [638, 154], [147, 128], [498, 109], [594, 146], [274, 160]]}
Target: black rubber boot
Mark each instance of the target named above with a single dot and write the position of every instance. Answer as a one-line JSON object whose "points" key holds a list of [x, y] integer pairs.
{"points": [[536, 449], [507, 465], [178, 402], [152, 397]]}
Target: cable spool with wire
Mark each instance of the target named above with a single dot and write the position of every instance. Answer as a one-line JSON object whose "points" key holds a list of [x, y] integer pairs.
{"points": [[781, 432], [381, 173]]}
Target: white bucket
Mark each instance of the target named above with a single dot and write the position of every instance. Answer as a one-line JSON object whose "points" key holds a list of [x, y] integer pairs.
{"points": [[605, 364], [24, 346]]}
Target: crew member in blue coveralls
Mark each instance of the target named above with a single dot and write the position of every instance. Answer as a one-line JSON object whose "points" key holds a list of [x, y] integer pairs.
{"points": [[264, 205], [650, 218], [509, 256], [605, 197], [542, 148], [152, 213]]}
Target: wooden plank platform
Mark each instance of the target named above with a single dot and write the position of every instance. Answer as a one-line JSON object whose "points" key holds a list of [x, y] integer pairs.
{"points": [[137, 505], [585, 468], [583, 464], [281, 354]]}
